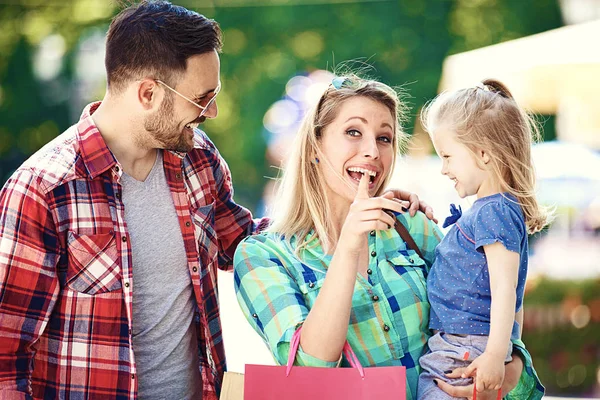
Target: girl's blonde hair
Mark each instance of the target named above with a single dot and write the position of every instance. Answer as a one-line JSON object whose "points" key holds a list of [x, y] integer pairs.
{"points": [[301, 203], [488, 118]]}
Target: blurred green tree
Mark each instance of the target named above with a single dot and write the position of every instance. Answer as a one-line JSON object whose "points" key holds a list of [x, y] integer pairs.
{"points": [[266, 43], [34, 90]]}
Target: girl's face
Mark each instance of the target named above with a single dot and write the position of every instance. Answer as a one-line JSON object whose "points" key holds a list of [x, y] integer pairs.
{"points": [[466, 169], [359, 140]]}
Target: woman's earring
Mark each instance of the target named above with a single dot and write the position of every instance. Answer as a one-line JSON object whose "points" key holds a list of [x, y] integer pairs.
{"points": [[316, 160]]}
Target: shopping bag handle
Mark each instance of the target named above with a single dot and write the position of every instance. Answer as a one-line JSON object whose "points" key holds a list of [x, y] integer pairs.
{"points": [[499, 397], [347, 350]]}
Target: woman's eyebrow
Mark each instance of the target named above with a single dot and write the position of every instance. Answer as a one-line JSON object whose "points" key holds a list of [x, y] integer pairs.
{"points": [[360, 118], [364, 120]]}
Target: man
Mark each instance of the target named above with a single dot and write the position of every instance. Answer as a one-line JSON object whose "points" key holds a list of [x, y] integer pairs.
{"points": [[111, 235]]}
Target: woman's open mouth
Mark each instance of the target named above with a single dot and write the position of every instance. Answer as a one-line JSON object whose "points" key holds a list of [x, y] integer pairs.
{"points": [[356, 174]]}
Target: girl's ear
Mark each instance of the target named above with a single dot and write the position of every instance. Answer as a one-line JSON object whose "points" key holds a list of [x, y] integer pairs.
{"points": [[484, 156]]}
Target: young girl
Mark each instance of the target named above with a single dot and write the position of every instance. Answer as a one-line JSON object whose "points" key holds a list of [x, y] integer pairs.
{"points": [[476, 284]]}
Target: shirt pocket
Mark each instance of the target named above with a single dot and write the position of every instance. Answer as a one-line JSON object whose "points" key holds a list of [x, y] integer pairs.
{"points": [[310, 286], [93, 263], [409, 264]]}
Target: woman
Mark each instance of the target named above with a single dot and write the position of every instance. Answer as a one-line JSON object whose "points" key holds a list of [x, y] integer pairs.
{"points": [[332, 261]]}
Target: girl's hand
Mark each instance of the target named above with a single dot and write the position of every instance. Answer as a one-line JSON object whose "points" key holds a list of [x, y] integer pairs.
{"points": [[513, 371], [488, 370], [366, 214]]}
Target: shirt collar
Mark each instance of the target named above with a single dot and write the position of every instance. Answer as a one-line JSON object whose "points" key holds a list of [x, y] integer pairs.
{"points": [[312, 254], [96, 156]]}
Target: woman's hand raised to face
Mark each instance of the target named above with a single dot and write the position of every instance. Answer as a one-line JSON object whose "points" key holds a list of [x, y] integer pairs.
{"points": [[366, 214]]}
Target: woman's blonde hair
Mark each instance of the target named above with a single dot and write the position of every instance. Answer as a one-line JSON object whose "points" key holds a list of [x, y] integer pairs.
{"points": [[301, 203], [488, 118]]}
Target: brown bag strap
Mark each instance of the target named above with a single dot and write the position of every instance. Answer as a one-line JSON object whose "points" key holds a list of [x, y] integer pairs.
{"points": [[405, 235]]}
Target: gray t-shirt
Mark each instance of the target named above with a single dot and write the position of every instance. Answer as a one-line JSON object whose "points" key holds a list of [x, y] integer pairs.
{"points": [[164, 335]]}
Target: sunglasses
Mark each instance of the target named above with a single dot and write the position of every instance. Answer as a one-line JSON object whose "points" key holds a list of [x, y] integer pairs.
{"points": [[203, 104]]}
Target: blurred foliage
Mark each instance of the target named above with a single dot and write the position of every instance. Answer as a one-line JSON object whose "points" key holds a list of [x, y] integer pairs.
{"points": [[272, 44], [546, 291], [562, 334], [266, 43], [33, 110], [566, 359]]}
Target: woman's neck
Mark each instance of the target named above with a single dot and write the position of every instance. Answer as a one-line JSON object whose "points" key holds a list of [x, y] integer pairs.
{"points": [[338, 217]]}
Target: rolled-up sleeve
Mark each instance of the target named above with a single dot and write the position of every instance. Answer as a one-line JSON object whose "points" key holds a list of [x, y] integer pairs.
{"points": [[270, 297], [529, 387]]}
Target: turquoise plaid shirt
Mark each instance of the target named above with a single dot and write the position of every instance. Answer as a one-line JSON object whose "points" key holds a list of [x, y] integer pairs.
{"points": [[390, 312]]}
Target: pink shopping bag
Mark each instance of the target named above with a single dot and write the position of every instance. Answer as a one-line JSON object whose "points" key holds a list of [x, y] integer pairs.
{"points": [[266, 382]]}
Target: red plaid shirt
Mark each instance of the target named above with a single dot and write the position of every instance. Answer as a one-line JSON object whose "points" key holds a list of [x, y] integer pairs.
{"points": [[65, 266]]}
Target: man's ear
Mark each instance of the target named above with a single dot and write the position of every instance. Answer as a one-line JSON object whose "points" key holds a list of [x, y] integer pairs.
{"points": [[148, 94]]}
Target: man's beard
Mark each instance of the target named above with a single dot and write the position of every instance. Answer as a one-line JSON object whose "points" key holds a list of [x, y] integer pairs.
{"points": [[165, 129]]}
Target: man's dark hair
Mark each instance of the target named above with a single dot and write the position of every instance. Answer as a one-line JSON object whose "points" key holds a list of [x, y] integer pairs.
{"points": [[155, 38]]}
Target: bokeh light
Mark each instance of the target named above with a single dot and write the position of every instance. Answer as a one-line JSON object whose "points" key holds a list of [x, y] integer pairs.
{"points": [[307, 45], [235, 39], [281, 116], [48, 60], [297, 86], [580, 316], [284, 117], [577, 375]]}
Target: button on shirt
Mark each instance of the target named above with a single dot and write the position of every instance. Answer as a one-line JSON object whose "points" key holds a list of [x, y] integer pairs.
{"points": [[66, 279], [273, 287], [459, 282], [389, 316]]}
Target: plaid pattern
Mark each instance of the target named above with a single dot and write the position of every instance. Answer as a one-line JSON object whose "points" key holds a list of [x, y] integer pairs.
{"points": [[276, 290], [65, 266]]}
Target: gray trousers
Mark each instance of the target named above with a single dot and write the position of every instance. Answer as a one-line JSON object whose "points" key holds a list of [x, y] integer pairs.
{"points": [[446, 352]]}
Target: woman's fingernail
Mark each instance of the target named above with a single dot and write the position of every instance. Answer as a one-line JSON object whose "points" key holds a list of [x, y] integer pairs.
{"points": [[404, 209], [436, 382], [448, 371], [389, 226]]}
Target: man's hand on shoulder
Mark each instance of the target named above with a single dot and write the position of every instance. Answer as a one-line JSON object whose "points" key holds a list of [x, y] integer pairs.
{"points": [[414, 204]]}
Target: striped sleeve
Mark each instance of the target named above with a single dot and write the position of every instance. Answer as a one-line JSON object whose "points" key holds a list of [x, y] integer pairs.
{"points": [[28, 280], [270, 298], [426, 234]]}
